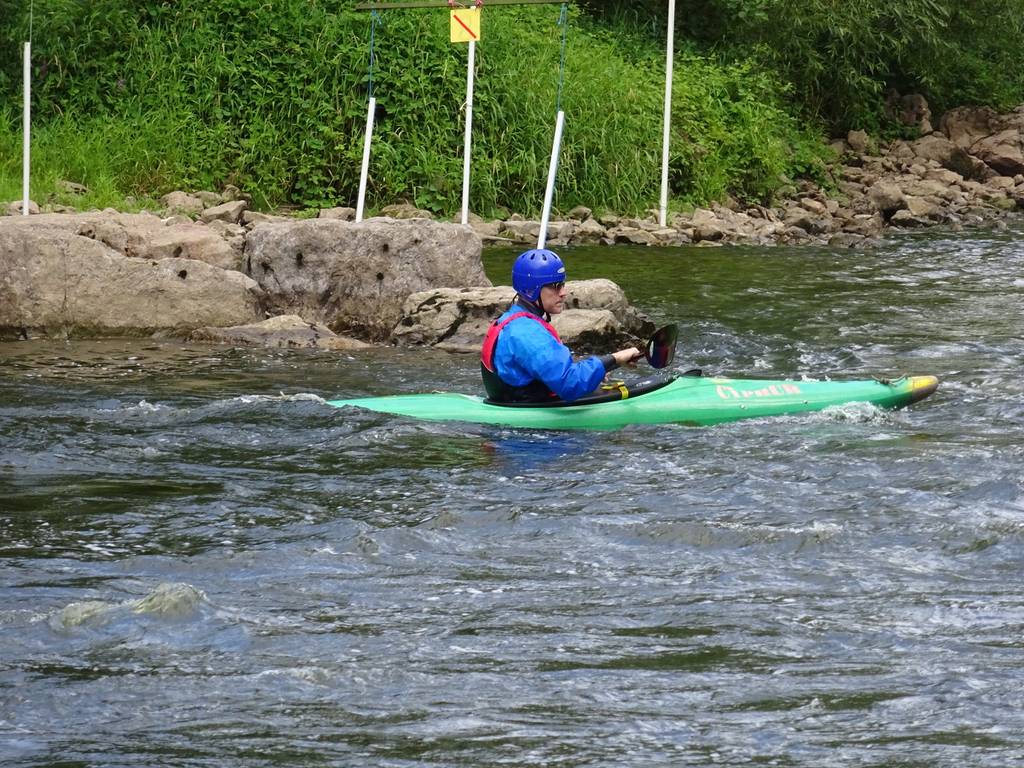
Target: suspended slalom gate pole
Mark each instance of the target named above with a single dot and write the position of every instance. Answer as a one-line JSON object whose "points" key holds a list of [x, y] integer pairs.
{"points": [[669, 55], [556, 146], [26, 129], [465, 28], [365, 169], [467, 139], [549, 189], [371, 111], [26, 115]]}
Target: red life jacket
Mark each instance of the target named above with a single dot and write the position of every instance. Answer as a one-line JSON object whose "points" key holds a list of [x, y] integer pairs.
{"points": [[491, 339], [497, 388]]}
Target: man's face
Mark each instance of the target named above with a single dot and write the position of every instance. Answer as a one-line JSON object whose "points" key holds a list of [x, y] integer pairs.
{"points": [[552, 298]]}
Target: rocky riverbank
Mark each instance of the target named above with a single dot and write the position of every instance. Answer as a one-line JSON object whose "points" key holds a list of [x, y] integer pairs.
{"points": [[209, 269], [324, 283], [969, 172]]}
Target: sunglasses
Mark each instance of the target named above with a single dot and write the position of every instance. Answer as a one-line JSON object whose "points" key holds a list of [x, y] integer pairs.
{"points": [[556, 286]]}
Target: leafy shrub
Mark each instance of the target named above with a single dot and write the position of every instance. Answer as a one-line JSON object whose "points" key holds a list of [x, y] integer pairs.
{"points": [[842, 57]]}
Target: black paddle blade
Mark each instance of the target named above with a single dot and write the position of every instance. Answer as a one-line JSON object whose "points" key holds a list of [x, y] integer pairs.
{"points": [[661, 347]]}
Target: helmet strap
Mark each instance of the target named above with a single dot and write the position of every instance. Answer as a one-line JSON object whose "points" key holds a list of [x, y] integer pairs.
{"points": [[532, 307]]}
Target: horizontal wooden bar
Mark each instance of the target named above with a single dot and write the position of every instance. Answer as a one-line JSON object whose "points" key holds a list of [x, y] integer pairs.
{"points": [[444, 4]]}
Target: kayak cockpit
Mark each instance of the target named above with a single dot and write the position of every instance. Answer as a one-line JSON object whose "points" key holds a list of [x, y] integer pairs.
{"points": [[610, 392]]}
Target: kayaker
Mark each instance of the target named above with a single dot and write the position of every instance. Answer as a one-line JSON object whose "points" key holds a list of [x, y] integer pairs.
{"points": [[522, 359]]}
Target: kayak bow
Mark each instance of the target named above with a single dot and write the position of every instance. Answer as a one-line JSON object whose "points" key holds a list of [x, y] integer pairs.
{"points": [[686, 400]]}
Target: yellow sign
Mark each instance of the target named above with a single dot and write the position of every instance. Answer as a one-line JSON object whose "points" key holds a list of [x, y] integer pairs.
{"points": [[465, 25]]}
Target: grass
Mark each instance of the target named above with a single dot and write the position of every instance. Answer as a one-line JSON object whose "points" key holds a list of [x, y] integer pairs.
{"points": [[194, 97]]}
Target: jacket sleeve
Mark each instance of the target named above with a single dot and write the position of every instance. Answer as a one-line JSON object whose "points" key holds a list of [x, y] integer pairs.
{"points": [[551, 361]]}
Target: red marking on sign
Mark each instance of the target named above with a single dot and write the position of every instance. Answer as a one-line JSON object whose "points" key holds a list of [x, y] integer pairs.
{"points": [[463, 25]]}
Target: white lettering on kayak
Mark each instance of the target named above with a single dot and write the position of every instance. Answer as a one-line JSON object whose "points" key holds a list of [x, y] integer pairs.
{"points": [[773, 390]]}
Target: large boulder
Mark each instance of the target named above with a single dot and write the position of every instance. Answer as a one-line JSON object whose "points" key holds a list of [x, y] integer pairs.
{"points": [[57, 283], [887, 197], [597, 316], [354, 277], [15, 207], [142, 235], [996, 140], [964, 126], [951, 156], [1003, 151], [451, 318]]}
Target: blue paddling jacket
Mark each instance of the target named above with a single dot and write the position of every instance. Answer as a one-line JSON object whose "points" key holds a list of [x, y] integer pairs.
{"points": [[523, 360]]}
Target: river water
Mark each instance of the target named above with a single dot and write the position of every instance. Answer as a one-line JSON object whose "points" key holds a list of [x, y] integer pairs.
{"points": [[202, 564]]}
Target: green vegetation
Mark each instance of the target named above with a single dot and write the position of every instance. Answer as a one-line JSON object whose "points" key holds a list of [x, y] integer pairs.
{"points": [[138, 99], [842, 56]]}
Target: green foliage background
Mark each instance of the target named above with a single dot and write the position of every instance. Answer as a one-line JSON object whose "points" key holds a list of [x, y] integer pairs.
{"points": [[841, 56], [138, 99]]}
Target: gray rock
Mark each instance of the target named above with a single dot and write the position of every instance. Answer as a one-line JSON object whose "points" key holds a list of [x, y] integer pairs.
{"points": [[405, 211], [587, 331], [195, 242], [230, 212], [589, 231], [860, 142], [922, 209], [355, 277], [209, 199], [813, 224], [455, 317], [814, 206], [845, 240], [72, 187], [14, 208], [145, 236], [887, 197], [1003, 151], [631, 236], [707, 226], [520, 231], [559, 233], [966, 125], [182, 202], [597, 313], [289, 331], [864, 224], [949, 155], [488, 230], [344, 213], [904, 218], [930, 188], [57, 283], [944, 176], [252, 218]]}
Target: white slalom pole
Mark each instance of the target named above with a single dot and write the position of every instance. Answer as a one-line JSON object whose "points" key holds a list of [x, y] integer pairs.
{"points": [[549, 193], [26, 146], [669, 45], [371, 110], [469, 132]]}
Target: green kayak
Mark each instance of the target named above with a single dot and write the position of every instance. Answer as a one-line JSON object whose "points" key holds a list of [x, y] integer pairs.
{"points": [[691, 400]]}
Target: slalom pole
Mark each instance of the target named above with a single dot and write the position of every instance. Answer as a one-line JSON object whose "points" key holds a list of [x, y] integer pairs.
{"points": [[26, 127], [371, 111], [549, 191], [556, 147], [364, 172], [669, 45], [469, 132]]}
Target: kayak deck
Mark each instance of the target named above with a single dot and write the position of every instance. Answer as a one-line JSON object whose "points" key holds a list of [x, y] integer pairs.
{"points": [[686, 400]]}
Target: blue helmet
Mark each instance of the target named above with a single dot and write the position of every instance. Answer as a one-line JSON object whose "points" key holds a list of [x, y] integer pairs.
{"points": [[535, 269]]}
